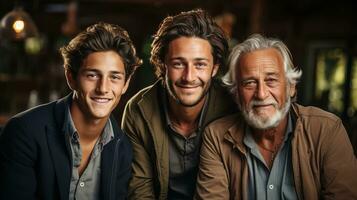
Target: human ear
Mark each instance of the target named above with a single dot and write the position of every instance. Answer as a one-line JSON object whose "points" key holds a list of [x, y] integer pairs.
{"points": [[70, 79], [215, 69], [292, 90], [126, 85]]}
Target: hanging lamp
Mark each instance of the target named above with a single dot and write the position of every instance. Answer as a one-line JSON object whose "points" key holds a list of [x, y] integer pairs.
{"points": [[17, 25]]}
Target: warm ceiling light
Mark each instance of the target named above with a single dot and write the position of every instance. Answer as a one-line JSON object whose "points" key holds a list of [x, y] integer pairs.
{"points": [[17, 25]]}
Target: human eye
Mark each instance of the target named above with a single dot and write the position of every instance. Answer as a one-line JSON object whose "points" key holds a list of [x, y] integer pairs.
{"points": [[271, 81], [201, 65], [117, 77], [91, 75], [249, 83], [177, 64]]}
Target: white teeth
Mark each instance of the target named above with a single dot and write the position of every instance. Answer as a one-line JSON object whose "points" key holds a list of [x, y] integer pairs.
{"points": [[101, 100]]}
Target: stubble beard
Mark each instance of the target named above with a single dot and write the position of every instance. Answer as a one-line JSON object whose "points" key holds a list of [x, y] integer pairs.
{"points": [[170, 88]]}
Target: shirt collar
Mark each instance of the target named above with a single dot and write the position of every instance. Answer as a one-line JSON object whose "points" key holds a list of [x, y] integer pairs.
{"points": [[69, 127]]}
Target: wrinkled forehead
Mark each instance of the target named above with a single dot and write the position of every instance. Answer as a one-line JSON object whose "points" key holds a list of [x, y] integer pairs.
{"points": [[259, 61]]}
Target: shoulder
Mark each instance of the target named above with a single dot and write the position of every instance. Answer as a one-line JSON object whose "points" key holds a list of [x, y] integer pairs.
{"points": [[25, 129], [33, 117], [315, 112], [224, 123], [220, 127], [318, 126], [146, 94], [315, 117]]}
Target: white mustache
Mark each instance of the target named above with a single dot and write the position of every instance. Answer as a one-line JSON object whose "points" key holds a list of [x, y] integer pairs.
{"points": [[263, 103]]}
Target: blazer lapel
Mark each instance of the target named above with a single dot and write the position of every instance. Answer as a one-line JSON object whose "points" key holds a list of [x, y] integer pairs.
{"points": [[106, 168], [59, 149], [108, 157], [61, 160]]}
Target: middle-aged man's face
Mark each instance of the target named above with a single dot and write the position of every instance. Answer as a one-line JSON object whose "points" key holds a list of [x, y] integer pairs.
{"points": [[263, 90], [189, 69], [99, 84]]}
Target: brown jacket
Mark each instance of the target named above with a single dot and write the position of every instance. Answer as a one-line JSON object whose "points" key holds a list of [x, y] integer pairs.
{"points": [[144, 123], [324, 165]]}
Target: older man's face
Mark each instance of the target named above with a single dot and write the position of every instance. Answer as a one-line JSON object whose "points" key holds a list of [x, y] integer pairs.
{"points": [[263, 91]]}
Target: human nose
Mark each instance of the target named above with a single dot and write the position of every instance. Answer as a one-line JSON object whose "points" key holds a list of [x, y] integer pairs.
{"points": [[189, 73], [103, 85], [262, 91]]}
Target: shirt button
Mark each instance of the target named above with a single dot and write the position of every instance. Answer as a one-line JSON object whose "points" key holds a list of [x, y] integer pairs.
{"points": [[81, 184], [271, 187]]}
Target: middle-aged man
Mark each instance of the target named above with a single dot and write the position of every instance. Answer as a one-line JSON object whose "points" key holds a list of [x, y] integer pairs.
{"points": [[274, 149], [165, 121], [72, 148]]}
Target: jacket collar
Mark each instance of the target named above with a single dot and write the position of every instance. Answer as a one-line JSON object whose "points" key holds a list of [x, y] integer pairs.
{"points": [[149, 106], [153, 114], [235, 134], [59, 148], [109, 160]]}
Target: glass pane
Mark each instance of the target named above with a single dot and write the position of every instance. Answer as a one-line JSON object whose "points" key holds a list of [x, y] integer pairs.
{"points": [[330, 79]]}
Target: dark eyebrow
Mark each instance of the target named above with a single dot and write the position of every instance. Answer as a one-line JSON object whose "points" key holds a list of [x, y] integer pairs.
{"points": [[195, 59], [90, 70], [99, 72], [116, 72]]}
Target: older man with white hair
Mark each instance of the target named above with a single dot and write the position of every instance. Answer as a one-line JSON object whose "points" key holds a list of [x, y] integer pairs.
{"points": [[275, 148]]}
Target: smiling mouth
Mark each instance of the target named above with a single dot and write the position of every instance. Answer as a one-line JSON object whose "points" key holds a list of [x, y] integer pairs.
{"points": [[100, 100], [266, 105], [184, 86]]}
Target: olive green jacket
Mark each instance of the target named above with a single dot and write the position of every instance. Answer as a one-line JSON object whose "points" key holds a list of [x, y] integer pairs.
{"points": [[144, 123], [324, 166]]}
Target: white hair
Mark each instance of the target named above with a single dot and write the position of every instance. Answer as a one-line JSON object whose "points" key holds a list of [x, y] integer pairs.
{"points": [[258, 42]]}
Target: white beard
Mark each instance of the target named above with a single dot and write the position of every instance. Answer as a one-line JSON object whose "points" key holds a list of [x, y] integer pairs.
{"points": [[263, 123]]}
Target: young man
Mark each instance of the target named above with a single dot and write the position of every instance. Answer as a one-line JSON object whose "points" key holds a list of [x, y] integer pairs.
{"points": [[165, 120], [72, 148], [278, 149]]}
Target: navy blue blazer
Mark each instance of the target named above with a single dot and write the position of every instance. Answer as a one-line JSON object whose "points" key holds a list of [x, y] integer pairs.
{"points": [[35, 157]]}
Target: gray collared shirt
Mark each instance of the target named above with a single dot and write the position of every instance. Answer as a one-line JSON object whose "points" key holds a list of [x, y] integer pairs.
{"points": [[183, 156], [278, 183], [87, 185]]}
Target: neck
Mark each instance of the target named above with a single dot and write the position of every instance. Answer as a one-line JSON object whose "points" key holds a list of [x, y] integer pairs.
{"points": [[89, 129], [271, 137], [184, 118]]}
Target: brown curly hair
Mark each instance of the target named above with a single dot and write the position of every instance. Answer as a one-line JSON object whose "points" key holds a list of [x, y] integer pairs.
{"points": [[96, 38], [194, 23]]}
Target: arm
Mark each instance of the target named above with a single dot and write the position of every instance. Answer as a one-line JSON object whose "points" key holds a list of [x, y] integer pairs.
{"points": [[141, 185], [212, 181], [17, 162], [339, 166]]}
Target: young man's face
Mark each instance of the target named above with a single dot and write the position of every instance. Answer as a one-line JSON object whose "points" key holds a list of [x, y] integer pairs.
{"points": [[189, 69], [99, 84], [263, 90]]}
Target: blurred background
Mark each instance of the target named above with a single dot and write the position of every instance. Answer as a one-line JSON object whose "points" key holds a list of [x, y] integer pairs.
{"points": [[321, 35]]}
